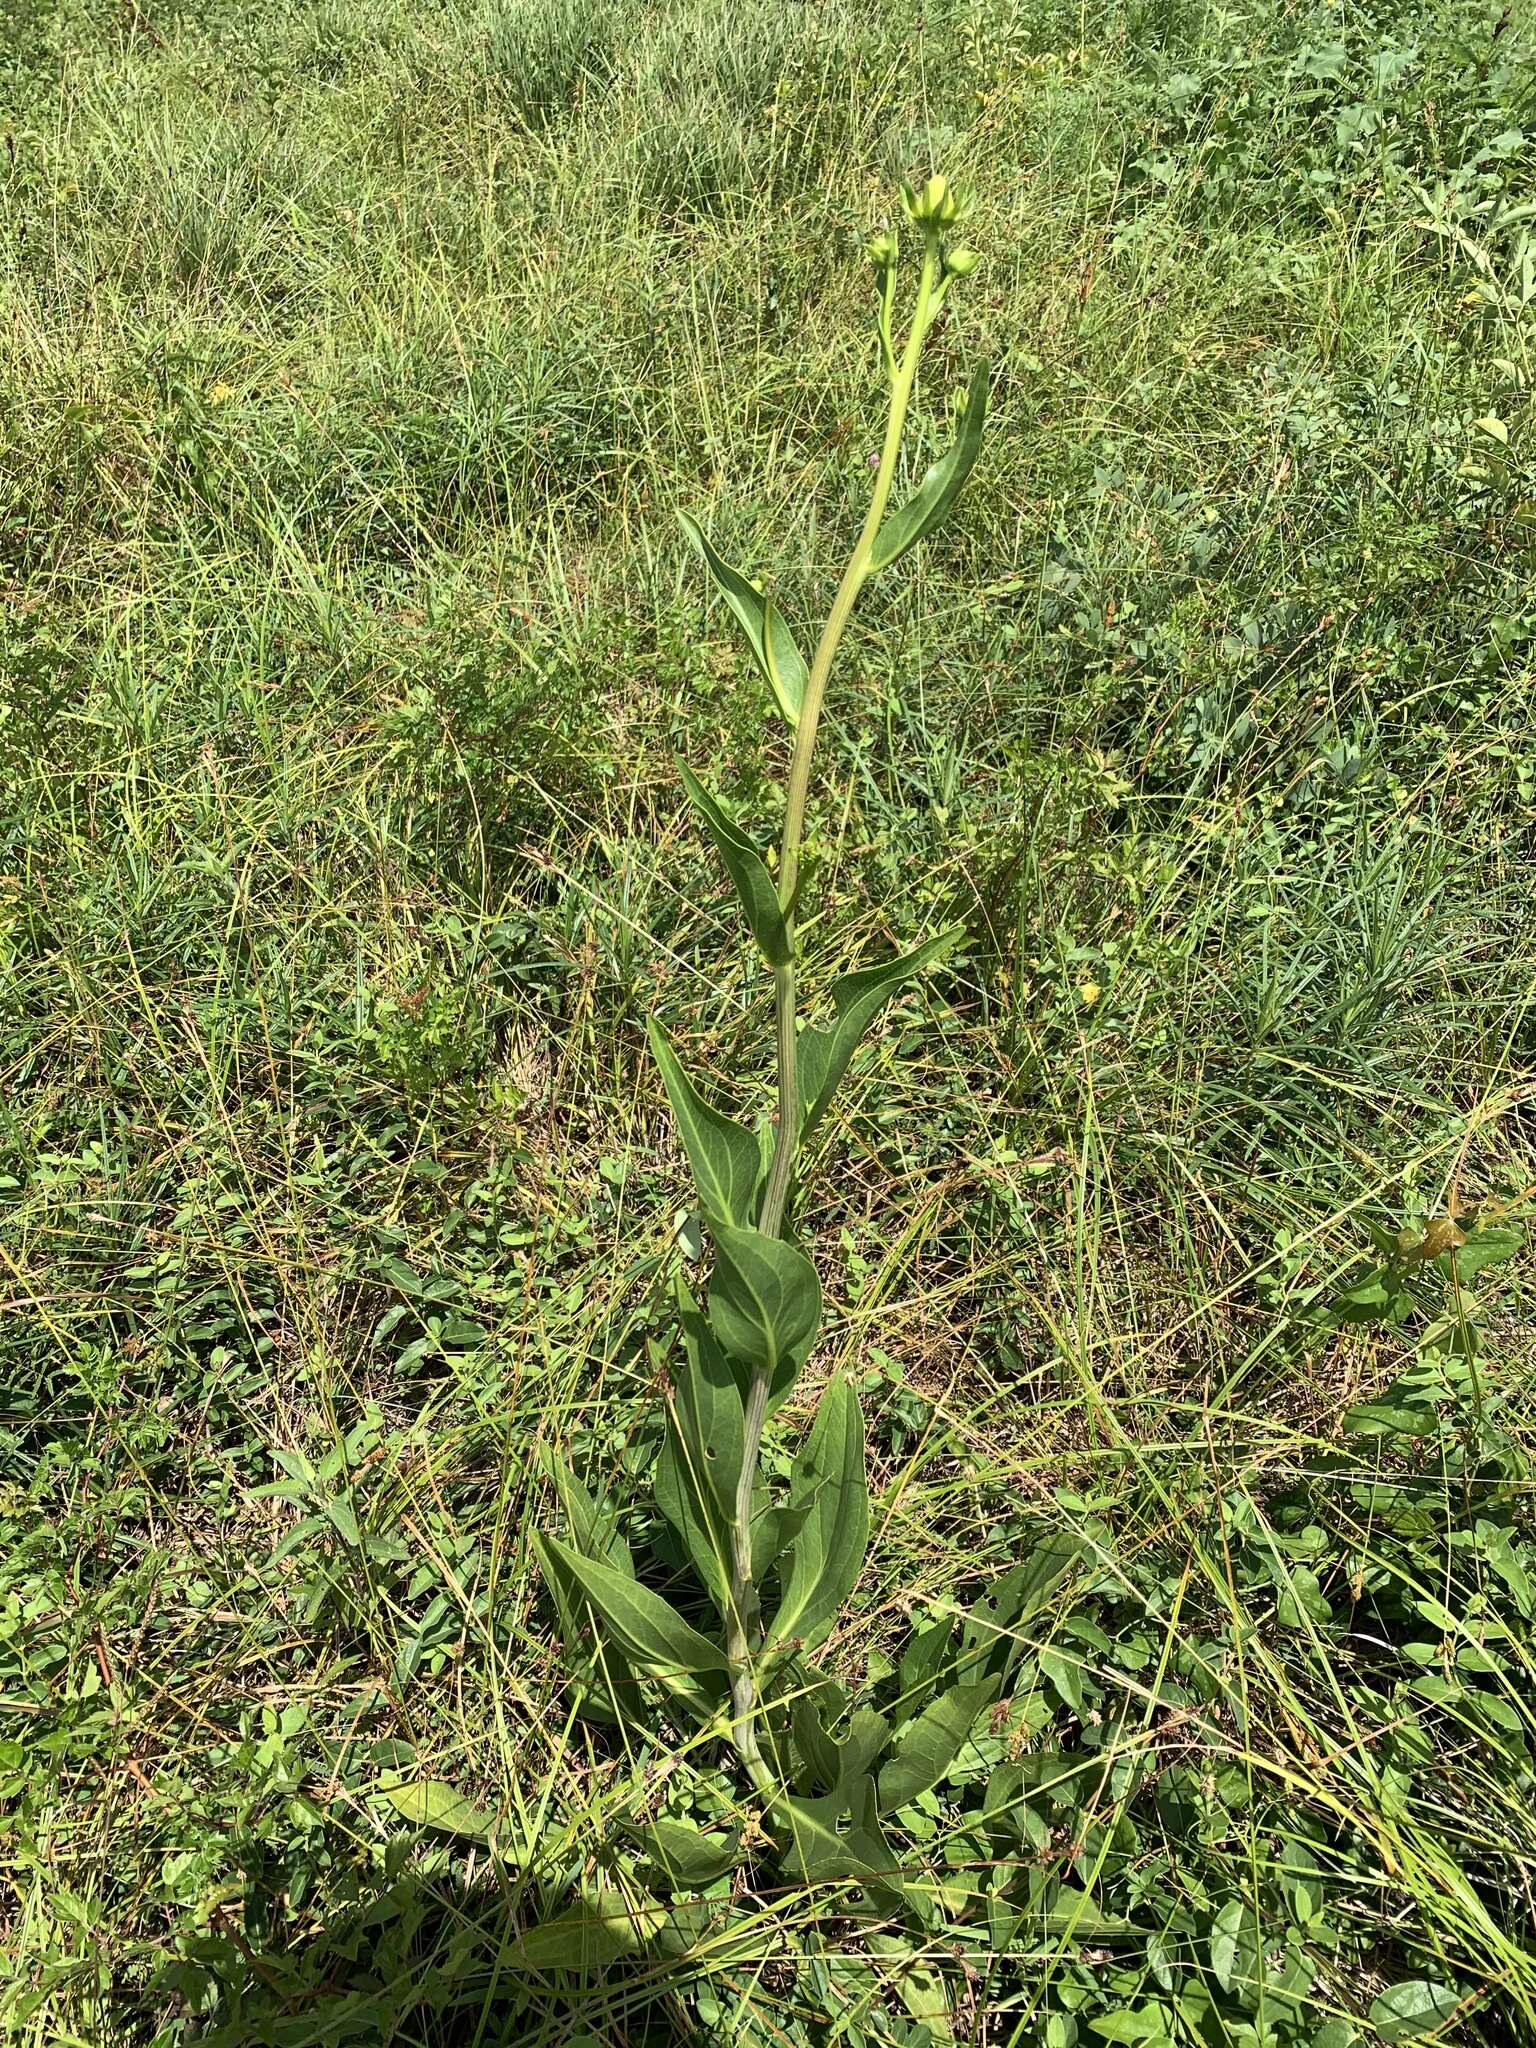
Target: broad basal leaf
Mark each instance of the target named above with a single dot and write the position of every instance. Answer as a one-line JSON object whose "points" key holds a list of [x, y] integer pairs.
{"points": [[647, 1629], [597, 1931], [941, 486], [744, 864], [824, 1050], [769, 639], [605, 1686], [826, 1557], [764, 1300], [992, 1636], [930, 1744], [839, 1766], [868, 1734], [725, 1156], [1412, 2009], [430, 1804], [697, 1473], [818, 1752], [816, 1848], [685, 1855]]}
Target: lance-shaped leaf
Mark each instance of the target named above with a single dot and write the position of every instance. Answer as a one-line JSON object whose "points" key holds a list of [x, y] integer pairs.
{"points": [[594, 1528], [699, 1467], [606, 1689], [725, 1156], [823, 1050], [992, 1638], [826, 1557], [930, 1744], [773, 1530], [700, 1535], [648, 1630], [771, 642], [928, 1655], [708, 1411], [781, 663], [941, 485], [764, 1300], [685, 1855], [744, 864]]}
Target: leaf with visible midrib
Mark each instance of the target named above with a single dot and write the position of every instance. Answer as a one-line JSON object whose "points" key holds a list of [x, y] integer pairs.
{"points": [[686, 1854], [1413, 2008], [824, 1050], [817, 1851], [431, 1804], [827, 1556], [935, 496], [769, 639], [649, 1630], [594, 1530], [764, 1299], [930, 1744], [725, 1156], [606, 1687], [596, 1931], [708, 1406], [745, 866], [992, 1638], [697, 1474]]}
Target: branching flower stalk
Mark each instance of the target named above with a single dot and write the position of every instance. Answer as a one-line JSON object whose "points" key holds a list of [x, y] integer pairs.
{"points": [[741, 1354]]}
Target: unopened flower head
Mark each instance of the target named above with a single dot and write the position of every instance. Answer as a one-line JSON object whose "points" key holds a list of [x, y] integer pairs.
{"points": [[881, 249], [960, 262], [936, 202]]}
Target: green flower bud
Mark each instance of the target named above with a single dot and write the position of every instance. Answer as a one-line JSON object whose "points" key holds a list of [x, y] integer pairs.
{"points": [[960, 262], [881, 249], [936, 203]]}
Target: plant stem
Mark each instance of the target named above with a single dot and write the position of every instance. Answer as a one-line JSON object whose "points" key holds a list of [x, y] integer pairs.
{"points": [[745, 1631], [787, 1142]]}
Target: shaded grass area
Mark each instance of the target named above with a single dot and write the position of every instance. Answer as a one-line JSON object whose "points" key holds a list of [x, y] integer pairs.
{"points": [[357, 360]]}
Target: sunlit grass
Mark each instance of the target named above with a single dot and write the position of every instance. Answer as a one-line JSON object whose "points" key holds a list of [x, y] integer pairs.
{"points": [[356, 362]]}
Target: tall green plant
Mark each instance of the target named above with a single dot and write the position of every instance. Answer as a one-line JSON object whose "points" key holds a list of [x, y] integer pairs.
{"points": [[779, 1571]]}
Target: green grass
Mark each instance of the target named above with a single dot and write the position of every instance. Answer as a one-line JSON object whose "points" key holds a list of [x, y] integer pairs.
{"points": [[356, 361]]}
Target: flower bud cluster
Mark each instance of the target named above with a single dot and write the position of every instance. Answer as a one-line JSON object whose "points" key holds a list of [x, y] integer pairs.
{"points": [[933, 206]]}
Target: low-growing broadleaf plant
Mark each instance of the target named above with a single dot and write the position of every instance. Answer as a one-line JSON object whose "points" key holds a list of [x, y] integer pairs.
{"points": [[779, 1571]]}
